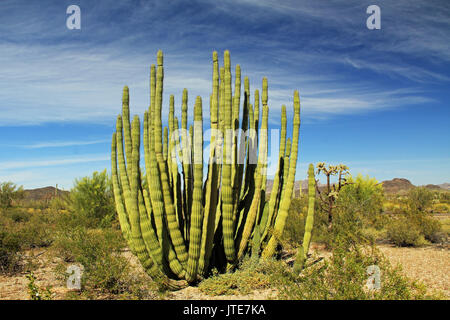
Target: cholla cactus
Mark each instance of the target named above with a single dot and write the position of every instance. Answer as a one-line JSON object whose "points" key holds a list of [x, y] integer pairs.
{"points": [[329, 196], [179, 224]]}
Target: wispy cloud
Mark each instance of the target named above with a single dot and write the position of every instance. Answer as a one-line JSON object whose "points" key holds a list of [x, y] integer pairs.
{"points": [[78, 77], [7, 165], [55, 144]]}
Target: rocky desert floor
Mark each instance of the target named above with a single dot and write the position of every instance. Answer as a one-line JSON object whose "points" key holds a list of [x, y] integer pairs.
{"points": [[430, 264]]}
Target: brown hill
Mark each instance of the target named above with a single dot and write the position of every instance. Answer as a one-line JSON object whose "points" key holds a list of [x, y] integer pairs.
{"points": [[445, 186], [45, 193], [397, 185], [433, 187]]}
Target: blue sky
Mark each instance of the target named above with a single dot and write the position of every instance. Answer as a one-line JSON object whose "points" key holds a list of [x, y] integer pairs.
{"points": [[376, 100]]}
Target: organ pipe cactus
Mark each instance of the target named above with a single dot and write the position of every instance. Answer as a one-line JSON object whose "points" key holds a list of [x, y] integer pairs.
{"points": [[179, 224]]}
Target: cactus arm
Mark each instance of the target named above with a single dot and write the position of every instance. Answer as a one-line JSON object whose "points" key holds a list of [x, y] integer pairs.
{"points": [[276, 183], [304, 248], [211, 192], [251, 219], [126, 127], [118, 197], [174, 232], [311, 202], [227, 192], [197, 206], [287, 197]]}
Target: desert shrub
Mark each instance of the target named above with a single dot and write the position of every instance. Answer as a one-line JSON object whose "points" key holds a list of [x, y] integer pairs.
{"points": [[419, 199], [92, 200], [59, 203], [429, 227], [20, 231], [364, 196], [357, 217], [38, 231], [344, 277], [441, 208], [17, 214], [402, 232], [350, 226], [105, 268], [251, 275], [295, 222], [9, 252], [9, 192], [413, 228]]}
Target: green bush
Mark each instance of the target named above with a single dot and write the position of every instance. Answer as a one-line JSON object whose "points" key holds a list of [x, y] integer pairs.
{"points": [[92, 200], [9, 192], [9, 252], [295, 222], [403, 233], [419, 199], [414, 229], [105, 268], [21, 231], [365, 197], [251, 275], [344, 277], [357, 218], [17, 214]]}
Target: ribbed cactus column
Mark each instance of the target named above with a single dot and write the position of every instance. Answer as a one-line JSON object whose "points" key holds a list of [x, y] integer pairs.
{"points": [[227, 191], [212, 182], [197, 206], [275, 193], [287, 196], [304, 248], [174, 231]]}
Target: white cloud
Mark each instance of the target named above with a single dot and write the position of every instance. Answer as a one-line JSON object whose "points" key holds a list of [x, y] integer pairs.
{"points": [[58, 144], [7, 165]]}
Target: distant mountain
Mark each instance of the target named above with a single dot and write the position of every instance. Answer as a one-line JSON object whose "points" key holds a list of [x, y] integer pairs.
{"points": [[397, 185], [303, 184], [45, 193], [433, 187], [445, 186]]}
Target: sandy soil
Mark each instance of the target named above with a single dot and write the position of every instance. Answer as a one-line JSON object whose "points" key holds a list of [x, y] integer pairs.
{"points": [[429, 264]]}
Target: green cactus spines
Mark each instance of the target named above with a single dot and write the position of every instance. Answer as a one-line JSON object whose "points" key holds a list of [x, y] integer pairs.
{"points": [[174, 231], [256, 111], [253, 214], [119, 201], [287, 196], [197, 206], [185, 149], [311, 202], [134, 214], [285, 165], [179, 225], [126, 124], [274, 195], [227, 191], [211, 188], [302, 253], [176, 177], [166, 144]]}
